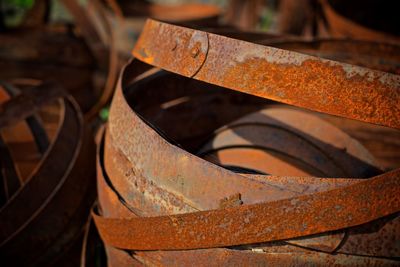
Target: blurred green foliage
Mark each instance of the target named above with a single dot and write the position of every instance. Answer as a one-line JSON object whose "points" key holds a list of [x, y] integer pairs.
{"points": [[267, 19], [104, 113], [24, 4], [13, 11]]}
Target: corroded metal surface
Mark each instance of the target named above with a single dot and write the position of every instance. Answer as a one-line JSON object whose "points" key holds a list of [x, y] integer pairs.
{"points": [[156, 194], [44, 217], [342, 26], [320, 85], [373, 55], [306, 215]]}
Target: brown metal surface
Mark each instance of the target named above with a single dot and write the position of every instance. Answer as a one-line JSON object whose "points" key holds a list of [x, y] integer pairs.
{"points": [[154, 193], [373, 55], [300, 139], [341, 26], [191, 12], [111, 204], [42, 221], [320, 85], [45, 48], [306, 215], [26, 104], [85, 52]]}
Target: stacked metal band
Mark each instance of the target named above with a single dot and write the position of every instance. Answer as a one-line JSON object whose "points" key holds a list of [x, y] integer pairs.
{"points": [[166, 205], [47, 173], [340, 25]]}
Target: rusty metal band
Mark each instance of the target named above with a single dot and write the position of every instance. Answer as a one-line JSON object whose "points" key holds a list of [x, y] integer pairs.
{"points": [[135, 149], [287, 77], [307, 215], [10, 180], [37, 130], [59, 187], [342, 26], [223, 257], [27, 103], [38, 183], [137, 233], [180, 13], [111, 202], [372, 55]]}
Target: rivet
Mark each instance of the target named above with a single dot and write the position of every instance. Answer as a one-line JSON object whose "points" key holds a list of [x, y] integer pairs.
{"points": [[194, 52]]}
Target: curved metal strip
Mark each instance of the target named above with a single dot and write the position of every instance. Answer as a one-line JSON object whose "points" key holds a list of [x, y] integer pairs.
{"points": [[114, 204], [123, 140], [46, 215], [283, 219], [40, 135], [317, 84], [27, 103], [39, 184], [300, 216]]}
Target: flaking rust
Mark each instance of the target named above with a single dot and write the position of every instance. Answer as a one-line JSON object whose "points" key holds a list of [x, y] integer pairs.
{"points": [[320, 85], [231, 201], [168, 205]]}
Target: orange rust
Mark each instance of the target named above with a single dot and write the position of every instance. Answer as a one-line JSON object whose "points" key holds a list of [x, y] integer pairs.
{"points": [[317, 213], [144, 163], [316, 87], [231, 201], [122, 106], [288, 77]]}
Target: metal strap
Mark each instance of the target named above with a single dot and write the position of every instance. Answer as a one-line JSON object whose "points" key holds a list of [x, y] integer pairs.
{"points": [[305, 81], [311, 214], [288, 77], [27, 103]]}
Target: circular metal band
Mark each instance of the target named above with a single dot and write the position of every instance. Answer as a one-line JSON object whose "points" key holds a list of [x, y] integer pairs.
{"points": [[289, 77], [339, 208]]}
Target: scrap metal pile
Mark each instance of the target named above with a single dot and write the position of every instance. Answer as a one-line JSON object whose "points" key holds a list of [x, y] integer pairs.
{"points": [[190, 172], [47, 182], [221, 148]]}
